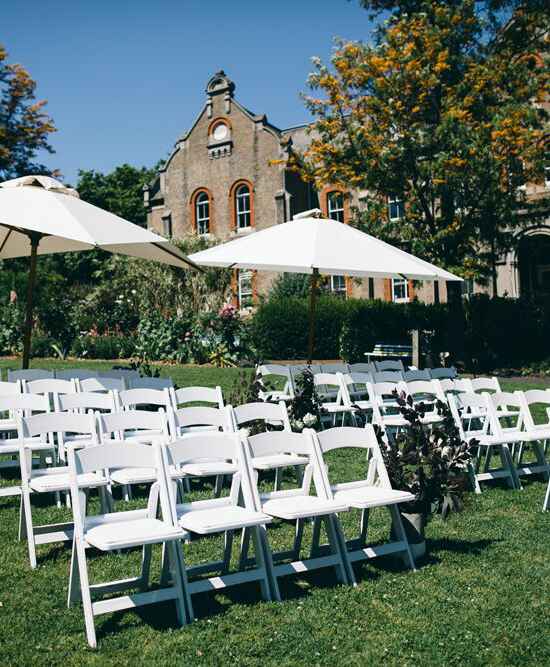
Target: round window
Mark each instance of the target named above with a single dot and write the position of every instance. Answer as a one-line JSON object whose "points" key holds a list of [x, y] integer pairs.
{"points": [[220, 132]]}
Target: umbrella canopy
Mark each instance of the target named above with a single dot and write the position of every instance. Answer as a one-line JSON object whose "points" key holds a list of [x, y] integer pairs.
{"points": [[40, 216], [316, 246]]}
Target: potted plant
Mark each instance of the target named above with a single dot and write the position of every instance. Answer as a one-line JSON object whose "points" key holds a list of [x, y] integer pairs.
{"points": [[431, 463]]}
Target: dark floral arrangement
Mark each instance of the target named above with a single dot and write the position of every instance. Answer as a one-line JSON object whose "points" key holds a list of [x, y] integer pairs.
{"points": [[305, 408], [431, 463]]}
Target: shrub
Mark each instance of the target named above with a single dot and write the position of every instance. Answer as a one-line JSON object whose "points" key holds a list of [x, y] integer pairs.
{"points": [[11, 328], [108, 346]]}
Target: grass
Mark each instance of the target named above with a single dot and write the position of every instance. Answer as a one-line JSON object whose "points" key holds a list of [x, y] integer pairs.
{"points": [[482, 596]]}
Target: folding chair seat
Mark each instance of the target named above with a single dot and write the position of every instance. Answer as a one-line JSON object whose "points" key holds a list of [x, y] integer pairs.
{"points": [[52, 479], [282, 373], [475, 420], [116, 531], [271, 414], [366, 494], [133, 427], [211, 396], [238, 511], [296, 505], [201, 419]]}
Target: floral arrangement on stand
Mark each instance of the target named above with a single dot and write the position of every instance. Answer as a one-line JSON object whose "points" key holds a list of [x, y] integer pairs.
{"points": [[305, 408]]}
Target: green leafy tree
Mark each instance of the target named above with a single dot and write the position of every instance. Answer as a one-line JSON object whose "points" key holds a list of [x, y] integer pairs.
{"points": [[24, 125], [445, 111]]}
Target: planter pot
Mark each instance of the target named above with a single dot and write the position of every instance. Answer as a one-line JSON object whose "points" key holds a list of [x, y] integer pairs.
{"points": [[414, 525]]}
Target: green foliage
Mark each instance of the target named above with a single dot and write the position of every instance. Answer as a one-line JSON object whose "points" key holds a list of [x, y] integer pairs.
{"points": [[305, 408], [290, 285], [24, 125], [162, 338], [106, 346], [11, 327]]}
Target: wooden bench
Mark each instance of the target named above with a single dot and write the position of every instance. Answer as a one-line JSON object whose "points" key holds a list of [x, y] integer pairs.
{"points": [[389, 351]]}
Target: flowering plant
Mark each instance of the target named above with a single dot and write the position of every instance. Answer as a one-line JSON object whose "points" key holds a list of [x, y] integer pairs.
{"points": [[305, 408], [432, 464]]}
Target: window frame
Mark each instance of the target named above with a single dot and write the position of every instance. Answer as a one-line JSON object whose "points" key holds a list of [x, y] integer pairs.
{"points": [[235, 212], [340, 211], [338, 291], [167, 229], [245, 274], [397, 283], [394, 200], [201, 202]]}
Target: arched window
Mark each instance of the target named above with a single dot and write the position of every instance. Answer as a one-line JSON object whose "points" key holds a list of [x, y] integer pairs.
{"points": [[202, 213], [243, 211], [335, 205]]}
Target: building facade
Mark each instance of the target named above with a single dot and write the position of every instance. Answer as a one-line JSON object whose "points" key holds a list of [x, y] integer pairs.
{"points": [[227, 177]]}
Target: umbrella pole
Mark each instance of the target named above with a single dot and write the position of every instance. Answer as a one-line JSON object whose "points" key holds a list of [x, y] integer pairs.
{"points": [[312, 303], [35, 240]]}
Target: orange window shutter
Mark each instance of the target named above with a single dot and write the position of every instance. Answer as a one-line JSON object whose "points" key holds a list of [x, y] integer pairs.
{"points": [[412, 292], [387, 289]]}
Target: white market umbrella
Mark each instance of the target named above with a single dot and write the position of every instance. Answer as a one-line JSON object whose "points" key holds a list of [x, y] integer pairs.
{"points": [[40, 216], [314, 245]]}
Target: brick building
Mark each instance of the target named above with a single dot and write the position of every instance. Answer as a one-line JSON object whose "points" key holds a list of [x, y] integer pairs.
{"points": [[227, 177]]}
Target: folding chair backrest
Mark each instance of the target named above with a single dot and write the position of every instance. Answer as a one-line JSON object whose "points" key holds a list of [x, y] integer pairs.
{"points": [[485, 384], [504, 400], [115, 424], [185, 395], [381, 390], [102, 384], [539, 398], [273, 369], [29, 374], [267, 412], [426, 387], [362, 367], [192, 446], [463, 386], [10, 388], [132, 398], [389, 365], [279, 442], [26, 404], [114, 455], [75, 373], [473, 409], [200, 416], [443, 373], [348, 437], [388, 376], [334, 368], [447, 386], [85, 401], [411, 376], [358, 378], [49, 386], [332, 386], [125, 373], [150, 383], [326, 379]]}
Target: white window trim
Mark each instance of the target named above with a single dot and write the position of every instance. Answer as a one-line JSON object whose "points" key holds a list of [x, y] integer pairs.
{"points": [[395, 299], [397, 201], [238, 213], [244, 273], [199, 220], [343, 290], [330, 210]]}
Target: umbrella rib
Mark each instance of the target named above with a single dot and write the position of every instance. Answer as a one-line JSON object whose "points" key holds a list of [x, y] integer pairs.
{"points": [[176, 256], [6, 239]]}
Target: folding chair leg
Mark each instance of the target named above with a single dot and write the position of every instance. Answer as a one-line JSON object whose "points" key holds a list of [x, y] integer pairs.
{"points": [[509, 464], [365, 514], [298, 536], [316, 537], [473, 478], [277, 485], [546, 503], [74, 579], [260, 563], [22, 522], [541, 459], [85, 593], [177, 582], [245, 542], [218, 486], [344, 550], [402, 535], [268, 559], [340, 568], [27, 512], [227, 548], [145, 566], [164, 566]]}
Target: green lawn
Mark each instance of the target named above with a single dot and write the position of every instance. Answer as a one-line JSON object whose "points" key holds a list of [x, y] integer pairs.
{"points": [[482, 596]]}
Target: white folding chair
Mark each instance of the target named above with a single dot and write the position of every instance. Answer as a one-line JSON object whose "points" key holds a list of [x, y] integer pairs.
{"points": [[131, 427], [335, 400], [363, 494], [120, 373], [385, 410], [118, 531], [510, 413], [197, 395], [297, 505], [443, 373], [413, 375], [485, 384], [426, 392], [474, 420], [201, 419], [101, 384], [389, 365], [15, 406], [42, 427], [358, 391], [10, 388], [540, 398], [49, 387], [29, 374], [150, 383], [272, 414], [282, 375], [75, 374], [134, 399], [335, 368], [220, 515], [362, 367]]}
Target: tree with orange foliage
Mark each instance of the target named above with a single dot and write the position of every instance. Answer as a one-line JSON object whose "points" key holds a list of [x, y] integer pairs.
{"points": [[24, 125], [445, 111]]}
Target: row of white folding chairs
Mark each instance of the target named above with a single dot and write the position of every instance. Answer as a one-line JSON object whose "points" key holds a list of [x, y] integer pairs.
{"points": [[245, 509], [379, 371], [114, 379], [504, 424]]}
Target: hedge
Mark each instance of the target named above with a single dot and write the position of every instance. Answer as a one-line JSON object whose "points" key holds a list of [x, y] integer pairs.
{"points": [[497, 332]]}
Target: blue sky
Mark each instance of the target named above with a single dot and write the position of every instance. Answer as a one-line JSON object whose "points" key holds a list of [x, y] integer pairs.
{"points": [[124, 79]]}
